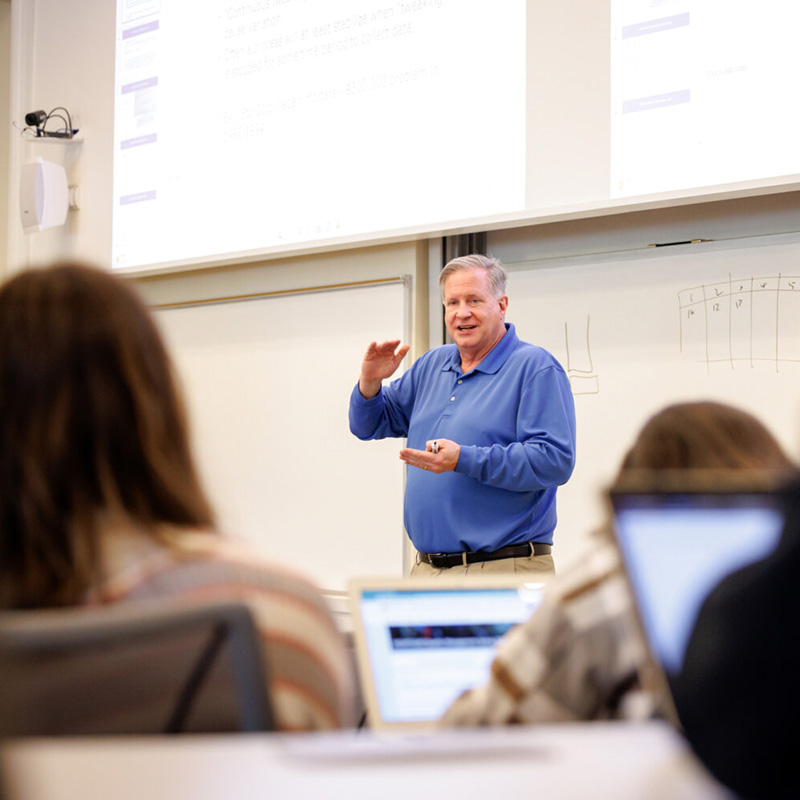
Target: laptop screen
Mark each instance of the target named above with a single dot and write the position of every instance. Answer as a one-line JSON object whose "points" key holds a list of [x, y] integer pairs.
{"points": [[422, 645], [676, 547]]}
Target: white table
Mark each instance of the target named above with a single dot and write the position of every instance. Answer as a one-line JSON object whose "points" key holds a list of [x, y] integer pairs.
{"points": [[618, 761]]}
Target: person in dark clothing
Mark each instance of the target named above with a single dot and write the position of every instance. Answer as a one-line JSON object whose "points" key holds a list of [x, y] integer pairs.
{"points": [[738, 695]]}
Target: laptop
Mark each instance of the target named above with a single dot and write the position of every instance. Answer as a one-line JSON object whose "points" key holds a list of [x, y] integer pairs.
{"points": [[677, 541], [421, 642]]}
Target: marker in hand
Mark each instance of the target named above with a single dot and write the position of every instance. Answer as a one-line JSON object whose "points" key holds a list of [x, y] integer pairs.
{"points": [[439, 455]]}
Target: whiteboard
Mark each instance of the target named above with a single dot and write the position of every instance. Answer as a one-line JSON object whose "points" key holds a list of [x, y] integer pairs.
{"points": [[268, 383], [635, 332]]}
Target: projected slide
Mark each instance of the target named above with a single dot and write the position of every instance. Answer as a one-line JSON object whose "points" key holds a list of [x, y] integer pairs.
{"points": [[702, 93], [249, 125]]}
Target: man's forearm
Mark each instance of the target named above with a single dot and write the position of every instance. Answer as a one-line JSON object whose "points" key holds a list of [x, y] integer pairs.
{"points": [[368, 389]]}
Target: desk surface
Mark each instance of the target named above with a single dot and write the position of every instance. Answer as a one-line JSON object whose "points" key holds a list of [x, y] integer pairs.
{"points": [[577, 760]]}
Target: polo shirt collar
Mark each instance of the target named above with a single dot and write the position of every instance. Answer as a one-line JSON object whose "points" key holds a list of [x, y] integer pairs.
{"points": [[495, 358]]}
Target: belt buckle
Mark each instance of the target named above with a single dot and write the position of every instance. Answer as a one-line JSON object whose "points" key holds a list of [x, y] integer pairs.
{"points": [[444, 559], [433, 557]]}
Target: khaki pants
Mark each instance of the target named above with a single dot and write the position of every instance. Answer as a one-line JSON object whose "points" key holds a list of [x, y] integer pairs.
{"points": [[526, 565]]}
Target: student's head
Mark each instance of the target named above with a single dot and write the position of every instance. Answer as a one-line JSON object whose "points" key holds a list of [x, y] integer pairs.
{"points": [[705, 435], [91, 425]]}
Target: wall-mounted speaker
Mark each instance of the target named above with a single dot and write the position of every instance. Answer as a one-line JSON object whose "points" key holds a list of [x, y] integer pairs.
{"points": [[43, 195]]}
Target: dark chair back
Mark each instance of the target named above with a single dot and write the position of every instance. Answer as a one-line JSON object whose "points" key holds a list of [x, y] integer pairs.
{"points": [[135, 668]]}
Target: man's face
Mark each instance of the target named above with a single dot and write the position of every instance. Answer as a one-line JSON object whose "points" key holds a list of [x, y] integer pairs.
{"points": [[473, 315]]}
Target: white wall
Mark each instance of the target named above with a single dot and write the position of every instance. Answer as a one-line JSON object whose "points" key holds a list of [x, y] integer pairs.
{"points": [[61, 57], [5, 125]]}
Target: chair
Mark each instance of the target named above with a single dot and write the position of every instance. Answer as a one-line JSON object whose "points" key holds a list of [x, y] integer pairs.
{"points": [[136, 668]]}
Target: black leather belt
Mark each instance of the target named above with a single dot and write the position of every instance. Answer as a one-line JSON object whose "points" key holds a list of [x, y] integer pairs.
{"points": [[446, 560]]}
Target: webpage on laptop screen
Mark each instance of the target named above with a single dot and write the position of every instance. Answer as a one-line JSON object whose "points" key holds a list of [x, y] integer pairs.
{"points": [[426, 647]]}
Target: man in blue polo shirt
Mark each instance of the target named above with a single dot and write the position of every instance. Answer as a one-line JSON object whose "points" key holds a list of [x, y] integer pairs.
{"points": [[490, 428]]}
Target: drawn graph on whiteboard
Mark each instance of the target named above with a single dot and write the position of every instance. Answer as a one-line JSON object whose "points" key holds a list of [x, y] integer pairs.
{"points": [[742, 323], [580, 370]]}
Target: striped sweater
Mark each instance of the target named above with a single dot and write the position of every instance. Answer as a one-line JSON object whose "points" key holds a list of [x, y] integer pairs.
{"points": [[310, 671]]}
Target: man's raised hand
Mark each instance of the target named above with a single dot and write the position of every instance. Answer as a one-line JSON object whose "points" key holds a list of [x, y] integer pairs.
{"points": [[380, 361]]}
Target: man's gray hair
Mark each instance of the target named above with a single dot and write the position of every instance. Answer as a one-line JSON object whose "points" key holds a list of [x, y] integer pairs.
{"points": [[494, 271]]}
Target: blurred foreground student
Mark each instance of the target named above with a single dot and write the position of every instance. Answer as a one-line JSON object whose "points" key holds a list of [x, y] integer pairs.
{"points": [[738, 696], [100, 500], [578, 656]]}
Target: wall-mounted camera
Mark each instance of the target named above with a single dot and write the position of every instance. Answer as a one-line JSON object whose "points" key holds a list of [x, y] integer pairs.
{"points": [[35, 119], [53, 124]]}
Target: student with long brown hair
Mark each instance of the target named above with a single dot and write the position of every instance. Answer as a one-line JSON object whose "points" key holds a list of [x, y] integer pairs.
{"points": [[100, 501]]}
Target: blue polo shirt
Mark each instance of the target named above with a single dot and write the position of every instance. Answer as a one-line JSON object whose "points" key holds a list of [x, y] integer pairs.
{"points": [[514, 418]]}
